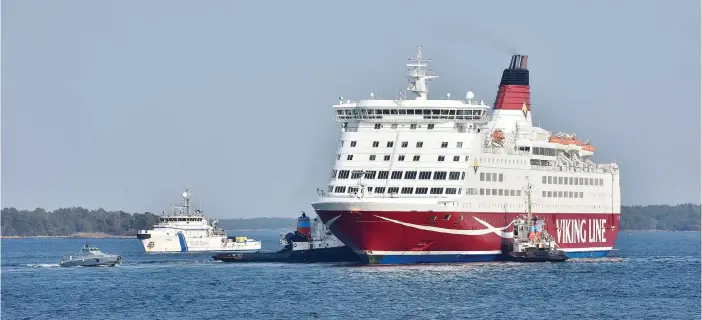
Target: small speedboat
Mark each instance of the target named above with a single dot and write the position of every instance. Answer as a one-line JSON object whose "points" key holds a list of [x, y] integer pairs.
{"points": [[90, 257]]}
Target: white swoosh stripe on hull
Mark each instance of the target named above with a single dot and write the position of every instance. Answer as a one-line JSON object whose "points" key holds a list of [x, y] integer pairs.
{"points": [[423, 253], [491, 229]]}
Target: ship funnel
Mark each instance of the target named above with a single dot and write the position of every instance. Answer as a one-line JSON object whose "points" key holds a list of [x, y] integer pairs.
{"points": [[513, 93], [303, 225]]}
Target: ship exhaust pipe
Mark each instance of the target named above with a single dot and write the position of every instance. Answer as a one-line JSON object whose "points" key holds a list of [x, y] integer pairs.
{"points": [[514, 92]]}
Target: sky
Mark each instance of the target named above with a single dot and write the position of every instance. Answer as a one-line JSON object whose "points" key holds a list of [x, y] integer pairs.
{"points": [[121, 104]]}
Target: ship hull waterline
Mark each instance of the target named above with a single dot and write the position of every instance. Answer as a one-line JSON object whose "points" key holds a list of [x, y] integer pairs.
{"points": [[397, 237]]}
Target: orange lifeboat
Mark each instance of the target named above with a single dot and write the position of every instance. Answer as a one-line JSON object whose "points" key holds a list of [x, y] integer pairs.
{"points": [[555, 139], [498, 135], [587, 151]]}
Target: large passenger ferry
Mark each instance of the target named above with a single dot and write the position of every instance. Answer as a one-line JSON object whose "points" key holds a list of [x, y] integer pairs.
{"points": [[421, 180], [185, 230]]}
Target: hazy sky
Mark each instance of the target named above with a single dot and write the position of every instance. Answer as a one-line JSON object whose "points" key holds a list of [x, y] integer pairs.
{"points": [[120, 104]]}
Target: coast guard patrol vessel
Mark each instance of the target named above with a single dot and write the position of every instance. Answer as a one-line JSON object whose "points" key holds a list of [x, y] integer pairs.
{"points": [[424, 181], [184, 230]]}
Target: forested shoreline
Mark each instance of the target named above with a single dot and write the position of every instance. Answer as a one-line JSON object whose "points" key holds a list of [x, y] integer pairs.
{"points": [[77, 221]]}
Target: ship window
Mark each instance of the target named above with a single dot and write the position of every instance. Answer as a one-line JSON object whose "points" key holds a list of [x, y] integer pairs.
{"points": [[570, 194], [386, 157], [356, 174], [389, 144], [420, 191], [456, 158], [353, 189], [404, 144], [415, 158], [402, 111], [494, 192], [372, 157], [494, 176], [440, 175], [602, 182], [396, 175], [581, 194], [380, 190], [424, 175], [407, 190], [437, 190], [482, 191], [560, 194], [344, 174], [543, 194], [392, 190], [454, 175], [501, 177], [482, 176], [444, 144], [500, 192], [550, 180], [353, 144], [349, 157], [414, 125], [420, 144], [447, 217], [460, 217], [383, 174], [519, 193], [459, 144], [511, 193], [377, 126], [582, 181], [543, 179], [340, 189], [430, 126], [338, 156], [450, 190], [432, 218], [570, 180], [591, 182], [370, 175], [441, 158], [488, 177], [401, 157], [560, 180], [586, 181], [333, 174], [386, 111], [393, 126], [575, 181], [410, 175], [376, 144]]}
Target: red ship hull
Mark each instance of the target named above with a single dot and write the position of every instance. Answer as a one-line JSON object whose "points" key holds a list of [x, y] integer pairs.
{"points": [[397, 237]]}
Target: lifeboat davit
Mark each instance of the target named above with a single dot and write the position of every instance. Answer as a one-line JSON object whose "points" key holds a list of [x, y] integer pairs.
{"points": [[587, 151]]}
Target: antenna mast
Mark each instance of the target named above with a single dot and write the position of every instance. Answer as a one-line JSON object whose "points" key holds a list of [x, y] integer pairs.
{"points": [[418, 76]]}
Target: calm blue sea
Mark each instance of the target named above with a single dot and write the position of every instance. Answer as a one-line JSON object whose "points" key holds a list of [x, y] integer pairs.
{"points": [[656, 277]]}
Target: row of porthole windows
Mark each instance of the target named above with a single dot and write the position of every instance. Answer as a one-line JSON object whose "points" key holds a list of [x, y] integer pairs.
{"points": [[401, 157], [403, 144], [397, 190], [572, 181], [396, 175]]}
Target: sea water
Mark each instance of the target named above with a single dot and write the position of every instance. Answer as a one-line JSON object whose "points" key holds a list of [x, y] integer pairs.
{"points": [[656, 276]]}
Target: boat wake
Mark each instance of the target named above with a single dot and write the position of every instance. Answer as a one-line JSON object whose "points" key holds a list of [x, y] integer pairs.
{"points": [[43, 265]]}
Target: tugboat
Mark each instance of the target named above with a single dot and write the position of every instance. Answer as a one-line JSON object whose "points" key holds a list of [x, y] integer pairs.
{"points": [[90, 257], [531, 241], [311, 242]]}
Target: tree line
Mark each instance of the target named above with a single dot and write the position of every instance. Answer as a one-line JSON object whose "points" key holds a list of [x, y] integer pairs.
{"points": [[67, 221]]}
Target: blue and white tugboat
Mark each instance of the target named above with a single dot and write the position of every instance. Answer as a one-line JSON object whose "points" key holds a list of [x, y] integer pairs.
{"points": [[90, 256], [531, 242]]}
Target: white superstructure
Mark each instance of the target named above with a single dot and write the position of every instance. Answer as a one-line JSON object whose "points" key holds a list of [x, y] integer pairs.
{"points": [[446, 154], [184, 230]]}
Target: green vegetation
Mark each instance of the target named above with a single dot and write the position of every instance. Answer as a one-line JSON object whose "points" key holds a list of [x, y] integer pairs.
{"points": [[683, 217], [68, 221]]}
